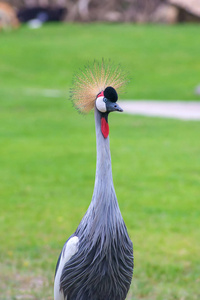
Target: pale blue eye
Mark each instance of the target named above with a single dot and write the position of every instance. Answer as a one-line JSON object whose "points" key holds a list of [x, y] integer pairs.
{"points": [[105, 99]]}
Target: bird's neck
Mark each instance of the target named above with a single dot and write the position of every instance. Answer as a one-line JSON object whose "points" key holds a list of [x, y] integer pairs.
{"points": [[103, 212], [103, 164]]}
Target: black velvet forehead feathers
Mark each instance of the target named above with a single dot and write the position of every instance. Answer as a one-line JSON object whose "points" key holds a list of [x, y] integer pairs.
{"points": [[111, 94]]}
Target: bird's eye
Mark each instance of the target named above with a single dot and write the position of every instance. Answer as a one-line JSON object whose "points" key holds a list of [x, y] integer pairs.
{"points": [[105, 99]]}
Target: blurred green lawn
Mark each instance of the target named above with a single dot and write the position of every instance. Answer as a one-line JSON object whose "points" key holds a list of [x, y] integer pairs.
{"points": [[47, 156]]}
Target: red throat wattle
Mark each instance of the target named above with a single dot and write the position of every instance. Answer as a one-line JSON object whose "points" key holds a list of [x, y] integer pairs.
{"points": [[104, 127]]}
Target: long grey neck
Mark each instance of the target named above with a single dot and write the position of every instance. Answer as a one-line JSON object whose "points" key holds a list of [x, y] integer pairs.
{"points": [[103, 164], [104, 206], [103, 215]]}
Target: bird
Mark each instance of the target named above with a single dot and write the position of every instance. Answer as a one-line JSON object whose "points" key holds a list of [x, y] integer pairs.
{"points": [[96, 262]]}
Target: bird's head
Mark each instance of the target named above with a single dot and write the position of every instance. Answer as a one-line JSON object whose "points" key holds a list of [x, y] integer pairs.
{"points": [[106, 101], [96, 86]]}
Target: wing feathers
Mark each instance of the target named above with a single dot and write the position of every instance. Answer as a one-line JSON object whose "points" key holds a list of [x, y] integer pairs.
{"points": [[70, 248]]}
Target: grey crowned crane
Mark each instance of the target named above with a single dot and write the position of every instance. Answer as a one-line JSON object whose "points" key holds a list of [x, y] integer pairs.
{"points": [[96, 262]]}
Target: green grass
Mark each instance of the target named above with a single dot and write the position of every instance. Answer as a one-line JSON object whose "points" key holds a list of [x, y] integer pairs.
{"points": [[47, 156], [162, 61]]}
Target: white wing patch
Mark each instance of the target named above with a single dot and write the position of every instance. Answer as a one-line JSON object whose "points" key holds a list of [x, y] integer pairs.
{"points": [[69, 249]]}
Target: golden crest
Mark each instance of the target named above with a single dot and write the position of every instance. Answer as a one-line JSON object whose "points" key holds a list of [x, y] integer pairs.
{"points": [[93, 79]]}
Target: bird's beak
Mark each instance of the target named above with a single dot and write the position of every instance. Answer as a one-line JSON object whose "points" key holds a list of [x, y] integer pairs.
{"points": [[113, 106]]}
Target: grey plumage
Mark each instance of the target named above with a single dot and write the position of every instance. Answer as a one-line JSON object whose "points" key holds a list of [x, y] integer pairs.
{"points": [[102, 267]]}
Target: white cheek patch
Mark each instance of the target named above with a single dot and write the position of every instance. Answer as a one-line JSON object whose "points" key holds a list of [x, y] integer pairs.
{"points": [[100, 104]]}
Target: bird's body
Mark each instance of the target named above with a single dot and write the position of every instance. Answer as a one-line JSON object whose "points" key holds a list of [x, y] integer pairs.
{"points": [[96, 263]]}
